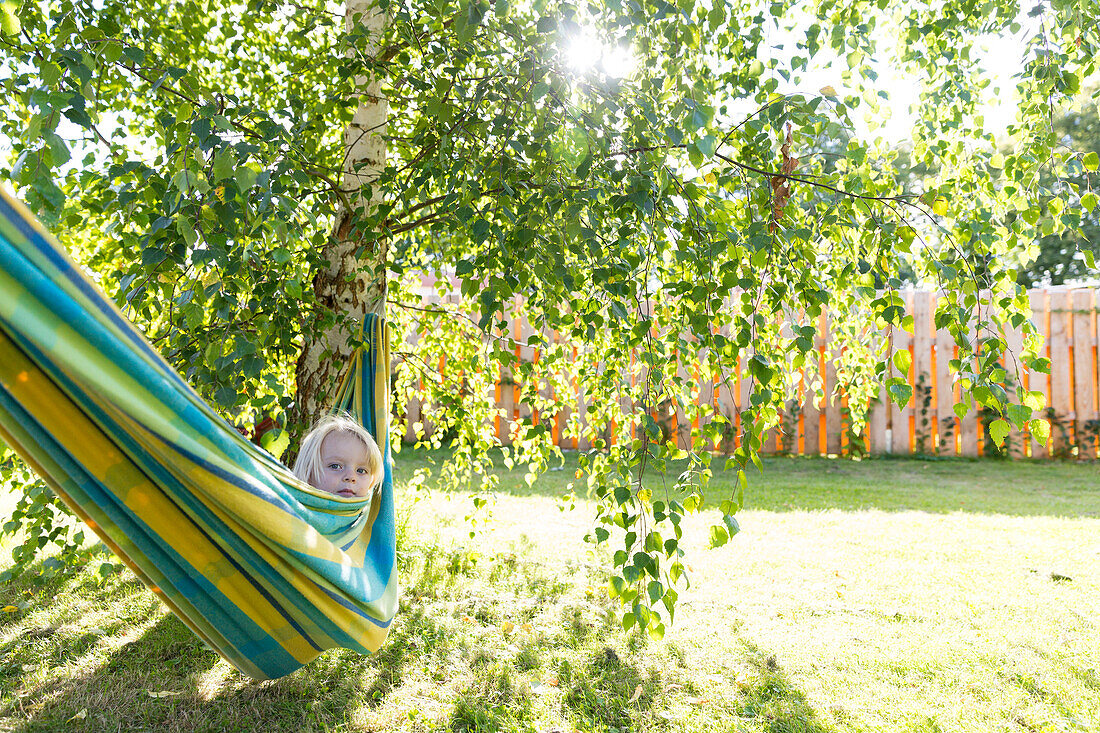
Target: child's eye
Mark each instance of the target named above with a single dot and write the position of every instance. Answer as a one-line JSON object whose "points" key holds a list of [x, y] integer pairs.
{"points": [[334, 466], [363, 471]]}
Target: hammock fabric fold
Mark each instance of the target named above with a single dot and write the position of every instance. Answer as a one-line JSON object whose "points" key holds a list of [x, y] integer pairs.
{"points": [[265, 569]]}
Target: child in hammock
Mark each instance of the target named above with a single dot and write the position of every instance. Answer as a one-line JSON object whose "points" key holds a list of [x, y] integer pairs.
{"points": [[340, 457]]}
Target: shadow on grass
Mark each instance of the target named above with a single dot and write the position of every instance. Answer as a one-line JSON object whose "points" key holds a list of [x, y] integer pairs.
{"points": [[776, 705], [156, 682], [932, 485], [164, 653], [608, 692], [163, 678]]}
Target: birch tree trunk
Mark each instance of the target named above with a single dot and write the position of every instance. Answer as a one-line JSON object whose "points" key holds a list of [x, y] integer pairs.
{"points": [[349, 286]]}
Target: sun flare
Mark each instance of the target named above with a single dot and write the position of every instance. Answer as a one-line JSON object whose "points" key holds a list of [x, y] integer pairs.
{"points": [[585, 53]]}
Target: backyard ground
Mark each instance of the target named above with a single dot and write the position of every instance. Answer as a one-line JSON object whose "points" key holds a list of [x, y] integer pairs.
{"points": [[886, 595]]}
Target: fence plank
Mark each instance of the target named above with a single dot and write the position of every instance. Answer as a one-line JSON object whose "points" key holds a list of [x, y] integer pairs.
{"points": [[725, 404], [581, 442], [744, 381], [811, 405], [412, 406], [947, 424], [831, 400], [681, 428], [1084, 370], [901, 340], [525, 354], [877, 420], [1061, 386], [1036, 380], [923, 410], [1016, 440], [969, 428], [561, 419]]}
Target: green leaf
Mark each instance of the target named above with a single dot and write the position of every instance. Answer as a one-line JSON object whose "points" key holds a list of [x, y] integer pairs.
{"points": [[1033, 399], [902, 360], [760, 370], [9, 21], [616, 587], [1019, 415], [186, 230], [939, 206], [188, 182], [224, 165], [112, 52], [707, 145], [245, 177], [718, 536], [732, 527], [1089, 201], [998, 431], [1040, 431], [275, 441], [900, 393], [1091, 161]]}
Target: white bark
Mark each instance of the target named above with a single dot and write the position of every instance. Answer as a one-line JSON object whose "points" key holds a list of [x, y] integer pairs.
{"points": [[349, 285]]}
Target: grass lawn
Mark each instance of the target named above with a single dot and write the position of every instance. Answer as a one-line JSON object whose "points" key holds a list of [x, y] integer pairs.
{"points": [[886, 595]]}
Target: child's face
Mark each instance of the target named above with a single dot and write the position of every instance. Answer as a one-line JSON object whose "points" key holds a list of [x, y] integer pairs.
{"points": [[344, 468]]}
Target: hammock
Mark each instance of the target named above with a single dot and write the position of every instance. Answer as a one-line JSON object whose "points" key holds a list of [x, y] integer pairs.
{"points": [[265, 569]]}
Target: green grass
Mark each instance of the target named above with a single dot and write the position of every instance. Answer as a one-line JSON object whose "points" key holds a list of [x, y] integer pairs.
{"points": [[1046, 488], [887, 595]]}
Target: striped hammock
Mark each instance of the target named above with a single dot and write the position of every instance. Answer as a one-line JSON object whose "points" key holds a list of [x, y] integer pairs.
{"points": [[265, 569]]}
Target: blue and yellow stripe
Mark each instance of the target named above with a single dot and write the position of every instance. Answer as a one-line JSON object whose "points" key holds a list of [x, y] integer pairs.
{"points": [[265, 569]]}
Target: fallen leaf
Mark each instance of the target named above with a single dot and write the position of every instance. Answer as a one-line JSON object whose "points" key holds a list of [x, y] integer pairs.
{"points": [[636, 695], [9, 609], [507, 626], [552, 681], [697, 701], [97, 631], [163, 693], [527, 628], [540, 689], [468, 619], [79, 716]]}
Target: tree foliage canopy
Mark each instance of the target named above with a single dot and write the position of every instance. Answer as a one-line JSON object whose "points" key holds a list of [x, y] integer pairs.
{"points": [[190, 154]]}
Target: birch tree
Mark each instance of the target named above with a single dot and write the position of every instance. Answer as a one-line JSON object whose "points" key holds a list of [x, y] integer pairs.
{"points": [[354, 281], [676, 200]]}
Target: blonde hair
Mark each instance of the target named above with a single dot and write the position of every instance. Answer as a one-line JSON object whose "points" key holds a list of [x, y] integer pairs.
{"points": [[307, 466]]}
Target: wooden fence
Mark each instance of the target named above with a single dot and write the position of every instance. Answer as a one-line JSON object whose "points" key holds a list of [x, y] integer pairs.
{"points": [[1066, 317]]}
